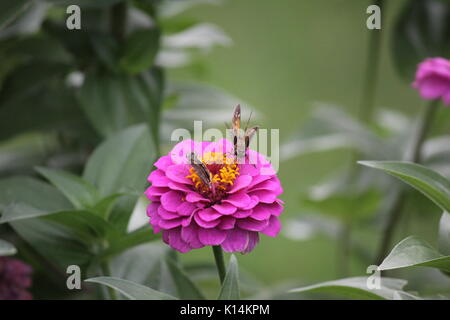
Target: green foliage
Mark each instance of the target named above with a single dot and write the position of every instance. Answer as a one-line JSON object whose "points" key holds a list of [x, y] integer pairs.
{"points": [[427, 181], [413, 252], [77, 190], [9, 10], [114, 102], [131, 290], [230, 288], [421, 31], [140, 50], [122, 162], [6, 248], [444, 233], [357, 288]]}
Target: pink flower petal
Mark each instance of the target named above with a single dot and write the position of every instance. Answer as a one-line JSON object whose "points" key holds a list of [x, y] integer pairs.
{"points": [[253, 239], [240, 183], [236, 240], [240, 200], [261, 213], [243, 213], [186, 208], [433, 87], [225, 208], [254, 201], [273, 227], [205, 224], [211, 237], [178, 173], [169, 224], [252, 224], [209, 214], [180, 187], [226, 223], [152, 209], [248, 169], [171, 200], [175, 241], [257, 180], [156, 191], [195, 197], [264, 196], [275, 208], [163, 162], [189, 234], [158, 179], [167, 215]]}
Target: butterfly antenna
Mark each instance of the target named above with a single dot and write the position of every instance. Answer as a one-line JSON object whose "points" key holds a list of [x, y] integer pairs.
{"points": [[248, 120]]}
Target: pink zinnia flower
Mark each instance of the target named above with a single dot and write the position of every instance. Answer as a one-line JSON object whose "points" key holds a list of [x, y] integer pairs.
{"points": [[15, 278], [433, 79], [243, 204]]}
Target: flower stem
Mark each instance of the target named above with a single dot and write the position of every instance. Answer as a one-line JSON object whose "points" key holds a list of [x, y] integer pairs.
{"points": [[218, 256], [414, 155], [107, 273], [424, 126], [371, 73]]}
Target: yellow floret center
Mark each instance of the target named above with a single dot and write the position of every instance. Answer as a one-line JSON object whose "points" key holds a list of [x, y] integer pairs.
{"points": [[224, 171]]}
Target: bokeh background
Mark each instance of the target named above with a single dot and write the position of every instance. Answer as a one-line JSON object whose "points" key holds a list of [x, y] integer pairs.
{"points": [[286, 57]]}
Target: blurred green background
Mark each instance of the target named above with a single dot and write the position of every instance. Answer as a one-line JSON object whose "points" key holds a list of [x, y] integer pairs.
{"points": [[286, 56]]}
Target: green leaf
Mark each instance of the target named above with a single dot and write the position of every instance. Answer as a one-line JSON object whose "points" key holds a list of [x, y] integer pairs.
{"points": [[357, 288], [6, 248], [185, 287], [57, 243], [113, 102], [9, 10], [140, 50], [86, 3], [122, 162], [130, 240], [401, 295], [138, 263], [444, 233], [106, 49], [105, 206], [79, 191], [429, 182], [230, 287], [131, 290], [422, 30], [37, 197], [414, 252], [85, 225]]}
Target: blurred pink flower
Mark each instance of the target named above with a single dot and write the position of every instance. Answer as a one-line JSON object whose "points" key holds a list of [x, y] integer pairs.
{"points": [[15, 278], [244, 202], [433, 79]]}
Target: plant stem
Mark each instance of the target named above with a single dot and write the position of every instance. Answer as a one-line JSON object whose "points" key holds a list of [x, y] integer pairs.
{"points": [[107, 273], [371, 74], [365, 114], [414, 155], [218, 256], [119, 20], [345, 249], [424, 126]]}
